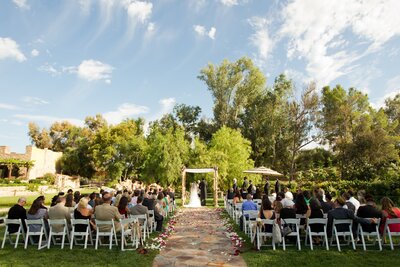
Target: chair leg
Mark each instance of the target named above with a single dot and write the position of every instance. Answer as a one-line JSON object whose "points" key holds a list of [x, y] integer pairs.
{"points": [[337, 239], [4, 238], [40, 239], [363, 240], [326, 240], [378, 237], [49, 241], [71, 242], [63, 239], [111, 240], [26, 241], [283, 243], [298, 239], [97, 240], [310, 236], [352, 240], [390, 240]]}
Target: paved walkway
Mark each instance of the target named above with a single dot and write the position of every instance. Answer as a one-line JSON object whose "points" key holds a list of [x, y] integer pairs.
{"points": [[199, 240]]}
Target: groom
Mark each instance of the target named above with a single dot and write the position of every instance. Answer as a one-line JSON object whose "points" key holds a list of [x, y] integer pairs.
{"points": [[203, 192]]}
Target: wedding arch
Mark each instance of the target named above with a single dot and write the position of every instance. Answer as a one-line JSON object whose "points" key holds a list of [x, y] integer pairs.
{"points": [[204, 170]]}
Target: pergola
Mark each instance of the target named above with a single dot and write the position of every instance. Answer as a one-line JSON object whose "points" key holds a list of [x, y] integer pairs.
{"points": [[205, 170]]}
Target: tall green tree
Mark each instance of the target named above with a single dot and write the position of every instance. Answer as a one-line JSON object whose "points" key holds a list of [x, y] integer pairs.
{"points": [[233, 86], [167, 153], [230, 152]]}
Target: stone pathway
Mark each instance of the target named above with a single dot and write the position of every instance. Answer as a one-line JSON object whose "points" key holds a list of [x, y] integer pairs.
{"points": [[199, 239]]}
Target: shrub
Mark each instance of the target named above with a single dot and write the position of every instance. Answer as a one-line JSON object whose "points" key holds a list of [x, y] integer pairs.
{"points": [[50, 178], [32, 187]]}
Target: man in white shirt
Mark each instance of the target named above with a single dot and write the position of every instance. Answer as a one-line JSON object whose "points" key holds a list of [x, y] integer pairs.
{"points": [[353, 200], [288, 194]]}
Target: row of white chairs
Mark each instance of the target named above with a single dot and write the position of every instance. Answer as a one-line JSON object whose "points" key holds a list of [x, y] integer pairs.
{"points": [[249, 219], [133, 231]]}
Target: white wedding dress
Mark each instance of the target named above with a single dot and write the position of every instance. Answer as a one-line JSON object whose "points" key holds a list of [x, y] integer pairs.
{"points": [[194, 201]]}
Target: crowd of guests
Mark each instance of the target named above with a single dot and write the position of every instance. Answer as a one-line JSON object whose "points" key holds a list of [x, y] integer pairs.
{"points": [[103, 206], [284, 204]]}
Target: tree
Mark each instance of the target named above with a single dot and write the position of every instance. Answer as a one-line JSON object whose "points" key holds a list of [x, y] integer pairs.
{"points": [[230, 152], [39, 138], [120, 150], [392, 111], [302, 116], [233, 86], [167, 153], [188, 116]]}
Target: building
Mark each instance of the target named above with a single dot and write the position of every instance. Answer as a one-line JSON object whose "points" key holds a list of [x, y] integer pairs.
{"points": [[45, 161]]}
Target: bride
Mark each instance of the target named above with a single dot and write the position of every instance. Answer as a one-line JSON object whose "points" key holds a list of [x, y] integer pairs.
{"points": [[194, 197]]}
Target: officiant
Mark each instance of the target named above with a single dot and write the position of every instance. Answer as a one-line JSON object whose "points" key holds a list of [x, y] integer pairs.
{"points": [[203, 191]]}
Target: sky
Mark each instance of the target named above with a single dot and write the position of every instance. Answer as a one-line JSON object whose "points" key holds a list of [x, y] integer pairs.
{"points": [[68, 59]]}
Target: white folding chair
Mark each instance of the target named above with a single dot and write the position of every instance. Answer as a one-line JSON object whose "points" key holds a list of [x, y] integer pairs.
{"points": [[237, 212], [262, 234], [31, 231], [310, 233], [85, 234], [389, 233], [142, 219], [294, 224], [301, 217], [229, 208], [111, 233], [252, 215], [152, 221], [53, 233], [346, 226], [130, 231], [8, 235], [375, 234]]}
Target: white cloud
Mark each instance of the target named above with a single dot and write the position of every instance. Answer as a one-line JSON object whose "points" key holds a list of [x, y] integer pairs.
{"points": [[167, 104], [10, 49], [202, 31], [47, 119], [313, 27], [50, 69], [392, 89], [260, 38], [35, 53], [8, 106], [124, 111], [21, 4], [34, 100], [212, 32], [92, 70], [229, 2], [150, 30], [138, 11]]}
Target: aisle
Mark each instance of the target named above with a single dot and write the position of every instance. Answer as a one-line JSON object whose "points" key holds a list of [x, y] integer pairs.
{"points": [[199, 240]]}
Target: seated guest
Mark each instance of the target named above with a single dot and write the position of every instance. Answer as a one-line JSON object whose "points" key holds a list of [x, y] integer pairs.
{"points": [[302, 206], [107, 212], [160, 204], [324, 205], [285, 201], [369, 210], [42, 198], [288, 194], [316, 212], [247, 205], [77, 196], [230, 194], [257, 195], [339, 212], [59, 212], [277, 208], [348, 205], [92, 197], [148, 201], [166, 201], [115, 200], [159, 213], [353, 200], [272, 196], [134, 198], [123, 206], [267, 212], [17, 212], [237, 198], [389, 211], [329, 201], [69, 201], [36, 212], [139, 209], [82, 212]]}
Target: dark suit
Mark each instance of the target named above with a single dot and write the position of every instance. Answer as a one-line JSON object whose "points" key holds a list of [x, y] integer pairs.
{"points": [[342, 213], [369, 211], [277, 186], [16, 212], [149, 203], [325, 206], [266, 188], [203, 192]]}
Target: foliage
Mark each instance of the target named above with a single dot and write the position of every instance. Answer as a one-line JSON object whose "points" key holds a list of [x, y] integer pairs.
{"points": [[230, 152], [233, 85], [50, 178], [167, 153], [32, 187]]}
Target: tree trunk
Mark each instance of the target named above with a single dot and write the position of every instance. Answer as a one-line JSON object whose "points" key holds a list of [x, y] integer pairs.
{"points": [[10, 168]]}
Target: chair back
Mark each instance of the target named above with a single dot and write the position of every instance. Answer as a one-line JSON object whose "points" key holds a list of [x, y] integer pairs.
{"points": [[290, 221], [57, 222], [391, 222], [80, 222], [317, 221], [32, 222], [14, 222], [267, 221], [343, 225]]}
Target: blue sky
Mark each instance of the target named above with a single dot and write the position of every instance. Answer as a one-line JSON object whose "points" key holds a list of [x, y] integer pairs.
{"points": [[65, 60]]}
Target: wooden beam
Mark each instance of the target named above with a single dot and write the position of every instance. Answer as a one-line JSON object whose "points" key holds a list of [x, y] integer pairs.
{"points": [[215, 187], [183, 187]]}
